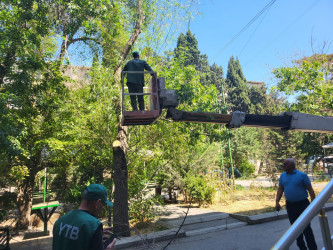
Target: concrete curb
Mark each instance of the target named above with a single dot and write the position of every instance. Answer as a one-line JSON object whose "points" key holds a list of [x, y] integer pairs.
{"points": [[328, 207], [149, 238], [215, 229], [197, 219], [260, 218], [267, 217]]}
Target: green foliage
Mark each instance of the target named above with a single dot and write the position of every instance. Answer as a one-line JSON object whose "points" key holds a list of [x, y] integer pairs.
{"points": [[31, 93], [143, 211], [80, 22], [164, 19], [187, 46], [261, 103], [88, 121], [245, 167], [238, 90], [186, 82], [310, 79], [198, 189], [214, 76], [73, 194], [42, 123], [188, 52]]}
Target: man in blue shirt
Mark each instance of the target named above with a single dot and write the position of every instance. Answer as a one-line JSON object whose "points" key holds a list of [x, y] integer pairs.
{"points": [[295, 185]]}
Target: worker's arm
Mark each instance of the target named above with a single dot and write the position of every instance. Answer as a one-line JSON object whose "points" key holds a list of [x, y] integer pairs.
{"points": [[311, 192], [147, 67], [278, 198]]}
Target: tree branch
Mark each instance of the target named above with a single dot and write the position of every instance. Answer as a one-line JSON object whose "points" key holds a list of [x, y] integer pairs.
{"points": [[132, 39]]}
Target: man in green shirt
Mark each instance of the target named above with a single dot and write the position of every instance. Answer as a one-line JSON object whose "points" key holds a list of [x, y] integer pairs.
{"points": [[80, 229], [135, 81]]}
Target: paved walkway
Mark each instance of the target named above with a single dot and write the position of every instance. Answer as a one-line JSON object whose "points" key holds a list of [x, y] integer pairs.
{"points": [[251, 237], [198, 222]]}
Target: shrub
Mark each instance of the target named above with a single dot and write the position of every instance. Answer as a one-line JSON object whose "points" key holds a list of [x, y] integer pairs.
{"points": [[142, 211], [246, 168], [198, 189]]}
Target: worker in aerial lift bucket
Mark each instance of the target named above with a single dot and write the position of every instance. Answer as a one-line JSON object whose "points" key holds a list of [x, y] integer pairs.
{"points": [[135, 81]]}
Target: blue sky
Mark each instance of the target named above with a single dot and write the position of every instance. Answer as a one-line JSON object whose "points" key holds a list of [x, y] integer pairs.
{"points": [[279, 35]]}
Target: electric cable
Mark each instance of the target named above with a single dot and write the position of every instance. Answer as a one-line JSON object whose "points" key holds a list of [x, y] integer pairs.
{"points": [[246, 26], [248, 40], [280, 34]]}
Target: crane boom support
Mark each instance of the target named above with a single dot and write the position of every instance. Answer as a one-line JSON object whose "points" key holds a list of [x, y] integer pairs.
{"points": [[285, 121]]}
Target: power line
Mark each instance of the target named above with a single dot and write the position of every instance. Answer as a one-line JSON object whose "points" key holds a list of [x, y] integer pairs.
{"points": [[281, 33], [252, 34], [247, 25]]}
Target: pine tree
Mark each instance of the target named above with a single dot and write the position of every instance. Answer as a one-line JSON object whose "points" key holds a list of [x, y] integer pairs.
{"points": [[215, 76], [238, 90], [187, 46]]}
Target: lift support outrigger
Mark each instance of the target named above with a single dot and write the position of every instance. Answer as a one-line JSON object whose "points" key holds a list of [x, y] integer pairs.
{"points": [[162, 98]]}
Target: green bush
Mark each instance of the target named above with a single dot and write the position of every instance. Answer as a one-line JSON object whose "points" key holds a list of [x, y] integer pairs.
{"points": [[198, 190], [142, 210], [246, 168]]}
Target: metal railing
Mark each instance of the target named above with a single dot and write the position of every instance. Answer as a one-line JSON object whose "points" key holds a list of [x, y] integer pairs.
{"points": [[152, 90], [315, 207]]}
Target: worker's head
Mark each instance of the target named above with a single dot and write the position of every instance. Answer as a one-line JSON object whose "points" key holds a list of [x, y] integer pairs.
{"points": [[94, 198], [136, 54], [289, 165]]}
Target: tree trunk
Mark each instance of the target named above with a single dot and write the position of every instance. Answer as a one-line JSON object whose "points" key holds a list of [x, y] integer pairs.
{"points": [[158, 190], [120, 210], [170, 193], [24, 201]]}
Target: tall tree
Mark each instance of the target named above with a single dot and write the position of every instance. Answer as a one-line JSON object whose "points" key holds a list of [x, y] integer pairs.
{"points": [[215, 76], [31, 92], [238, 90], [310, 81], [78, 21], [187, 47], [261, 102], [120, 145]]}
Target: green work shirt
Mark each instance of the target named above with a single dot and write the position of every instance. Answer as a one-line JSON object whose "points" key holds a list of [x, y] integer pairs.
{"points": [[78, 230], [136, 65]]}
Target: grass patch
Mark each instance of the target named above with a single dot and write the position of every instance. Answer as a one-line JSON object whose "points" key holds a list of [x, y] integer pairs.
{"points": [[146, 228], [252, 201]]}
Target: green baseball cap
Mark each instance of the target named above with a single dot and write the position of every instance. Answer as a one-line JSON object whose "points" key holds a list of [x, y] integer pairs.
{"points": [[135, 53], [95, 192]]}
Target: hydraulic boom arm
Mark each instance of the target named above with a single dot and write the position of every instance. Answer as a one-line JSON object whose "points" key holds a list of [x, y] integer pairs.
{"points": [[286, 121]]}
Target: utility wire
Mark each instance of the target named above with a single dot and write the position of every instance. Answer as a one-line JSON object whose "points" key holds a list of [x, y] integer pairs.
{"points": [[281, 33], [246, 26], [247, 42]]}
